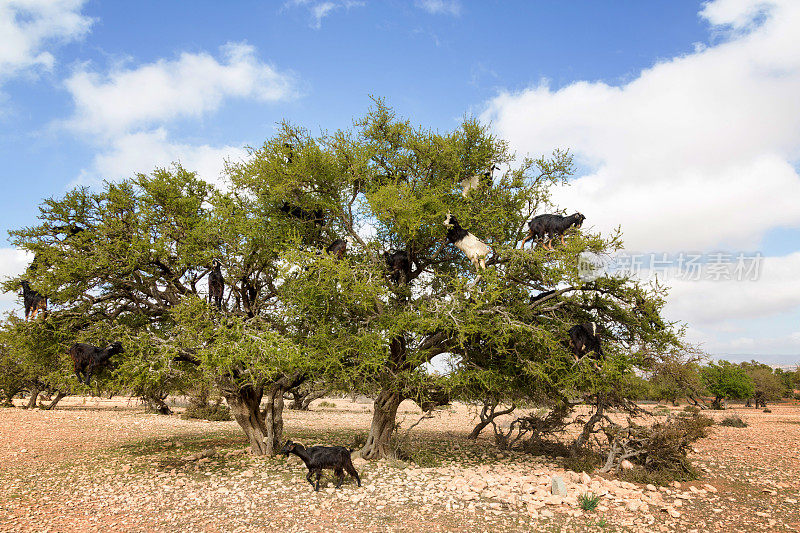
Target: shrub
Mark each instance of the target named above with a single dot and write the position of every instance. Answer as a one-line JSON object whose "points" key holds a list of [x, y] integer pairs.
{"points": [[216, 413], [588, 501], [692, 409], [733, 421], [660, 450], [767, 410], [325, 404]]}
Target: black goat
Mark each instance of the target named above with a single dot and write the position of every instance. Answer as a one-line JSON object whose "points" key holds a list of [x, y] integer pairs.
{"points": [[86, 358], [317, 216], [338, 247], [317, 458], [216, 284], [33, 301], [551, 226], [399, 264], [583, 340]]}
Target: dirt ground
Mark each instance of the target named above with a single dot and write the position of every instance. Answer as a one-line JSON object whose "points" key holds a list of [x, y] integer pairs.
{"points": [[107, 465]]}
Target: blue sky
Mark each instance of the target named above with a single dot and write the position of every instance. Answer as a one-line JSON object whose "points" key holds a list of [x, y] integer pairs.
{"points": [[674, 110]]}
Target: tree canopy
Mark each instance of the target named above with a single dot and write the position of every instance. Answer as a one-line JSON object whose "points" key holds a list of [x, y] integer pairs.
{"points": [[292, 312]]}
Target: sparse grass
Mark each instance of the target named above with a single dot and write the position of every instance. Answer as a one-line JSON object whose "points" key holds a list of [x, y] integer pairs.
{"points": [[733, 421], [215, 413], [588, 501], [584, 462], [660, 477]]}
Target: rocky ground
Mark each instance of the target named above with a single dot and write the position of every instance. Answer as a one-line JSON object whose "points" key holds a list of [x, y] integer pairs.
{"points": [[100, 465]]}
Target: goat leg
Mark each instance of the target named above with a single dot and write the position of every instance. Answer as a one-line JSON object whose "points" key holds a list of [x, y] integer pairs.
{"points": [[339, 477], [308, 477], [319, 475]]}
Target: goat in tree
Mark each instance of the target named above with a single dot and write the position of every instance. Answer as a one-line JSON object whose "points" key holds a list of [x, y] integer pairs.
{"points": [[475, 249], [399, 265], [551, 226], [484, 179], [33, 301], [583, 340], [317, 458], [216, 284], [339, 247], [317, 216], [86, 358]]}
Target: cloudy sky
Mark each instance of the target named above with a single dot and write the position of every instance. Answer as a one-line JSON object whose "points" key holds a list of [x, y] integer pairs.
{"points": [[684, 117]]}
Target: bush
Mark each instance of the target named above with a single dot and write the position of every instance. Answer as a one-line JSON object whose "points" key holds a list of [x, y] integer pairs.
{"points": [[216, 413], [733, 421], [588, 501], [767, 410], [325, 403], [692, 409], [660, 450]]}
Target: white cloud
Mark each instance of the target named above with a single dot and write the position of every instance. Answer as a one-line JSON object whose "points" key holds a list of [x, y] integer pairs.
{"points": [[697, 151], [143, 151], [13, 262], [440, 7], [320, 10], [706, 302], [190, 86], [28, 27]]}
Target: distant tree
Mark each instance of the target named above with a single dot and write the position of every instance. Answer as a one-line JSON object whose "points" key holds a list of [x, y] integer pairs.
{"points": [[767, 386], [726, 381], [790, 380], [674, 378]]}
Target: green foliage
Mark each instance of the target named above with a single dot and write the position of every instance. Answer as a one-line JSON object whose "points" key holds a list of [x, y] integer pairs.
{"points": [[767, 385], [725, 380], [589, 501]]}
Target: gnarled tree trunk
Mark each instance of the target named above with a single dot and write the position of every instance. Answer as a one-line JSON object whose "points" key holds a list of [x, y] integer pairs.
{"points": [[52, 404], [378, 443], [273, 419], [34, 395], [244, 405]]}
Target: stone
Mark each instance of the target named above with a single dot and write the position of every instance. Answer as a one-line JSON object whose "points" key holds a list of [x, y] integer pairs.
{"points": [[558, 486], [626, 465], [651, 488], [585, 478]]}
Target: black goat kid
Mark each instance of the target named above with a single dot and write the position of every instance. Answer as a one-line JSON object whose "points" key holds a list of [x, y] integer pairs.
{"points": [[399, 265], [317, 216], [216, 284], [317, 458], [551, 226], [583, 340], [33, 301], [86, 358]]}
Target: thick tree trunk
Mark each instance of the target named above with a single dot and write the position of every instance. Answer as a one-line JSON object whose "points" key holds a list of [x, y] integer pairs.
{"points": [[158, 405], [244, 406], [55, 401], [378, 443], [273, 420], [34, 395]]}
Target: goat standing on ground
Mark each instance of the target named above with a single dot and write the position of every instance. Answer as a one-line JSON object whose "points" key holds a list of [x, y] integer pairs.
{"points": [[33, 301], [317, 458], [475, 249], [216, 284], [86, 358], [399, 264], [583, 340], [552, 226]]}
